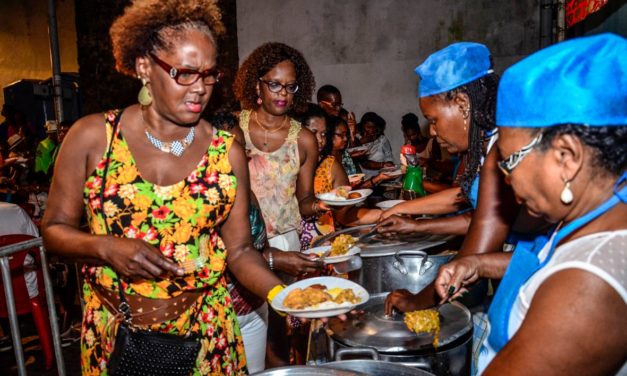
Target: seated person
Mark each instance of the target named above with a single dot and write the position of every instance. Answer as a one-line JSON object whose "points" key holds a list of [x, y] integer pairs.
{"points": [[372, 128]]}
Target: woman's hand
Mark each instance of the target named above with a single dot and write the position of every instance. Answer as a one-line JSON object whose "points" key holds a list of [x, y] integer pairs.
{"points": [[453, 277], [397, 225], [393, 211], [402, 300], [296, 263], [135, 258]]}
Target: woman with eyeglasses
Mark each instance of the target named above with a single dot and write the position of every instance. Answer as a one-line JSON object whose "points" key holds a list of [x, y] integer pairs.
{"points": [[156, 182], [561, 306], [332, 135], [272, 84]]}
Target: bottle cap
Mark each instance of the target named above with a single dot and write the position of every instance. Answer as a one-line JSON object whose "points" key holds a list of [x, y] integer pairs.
{"points": [[408, 149]]}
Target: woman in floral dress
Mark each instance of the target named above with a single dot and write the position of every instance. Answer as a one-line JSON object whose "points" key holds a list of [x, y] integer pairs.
{"points": [[156, 181]]}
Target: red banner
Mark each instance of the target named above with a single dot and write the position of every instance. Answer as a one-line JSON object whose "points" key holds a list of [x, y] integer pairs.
{"points": [[577, 10]]}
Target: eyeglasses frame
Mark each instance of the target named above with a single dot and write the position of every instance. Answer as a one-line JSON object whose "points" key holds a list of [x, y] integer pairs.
{"points": [[175, 73], [283, 87], [508, 164]]}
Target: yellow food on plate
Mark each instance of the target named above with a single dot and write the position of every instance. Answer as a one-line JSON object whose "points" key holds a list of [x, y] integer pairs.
{"points": [[424, 321], [316, 295], [341, 245]]}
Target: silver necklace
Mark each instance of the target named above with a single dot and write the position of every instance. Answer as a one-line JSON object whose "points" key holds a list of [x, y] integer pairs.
{"points": [[176, 147]]}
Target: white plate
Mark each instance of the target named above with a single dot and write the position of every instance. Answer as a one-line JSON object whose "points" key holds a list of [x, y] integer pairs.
{"points": [[330, 198], [385, 205], [355, 178], [333, 259], [315, 313], [357, 148], [393, 173]]}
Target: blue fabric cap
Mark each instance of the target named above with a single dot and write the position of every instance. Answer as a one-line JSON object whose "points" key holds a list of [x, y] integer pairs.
{"points": [[453, 66], [580, 81]]}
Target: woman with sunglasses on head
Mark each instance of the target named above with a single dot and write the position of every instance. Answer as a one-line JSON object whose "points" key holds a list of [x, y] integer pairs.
{"points": [[561, 306], [156, 181], [272, 84]]}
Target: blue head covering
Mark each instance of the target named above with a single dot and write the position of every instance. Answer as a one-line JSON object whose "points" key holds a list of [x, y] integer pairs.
{"points": [[581, 81], [453, 66]]}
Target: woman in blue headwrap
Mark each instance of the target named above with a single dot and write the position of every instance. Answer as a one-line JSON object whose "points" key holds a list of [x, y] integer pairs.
{"points": [[561, 307], [457, 95]]}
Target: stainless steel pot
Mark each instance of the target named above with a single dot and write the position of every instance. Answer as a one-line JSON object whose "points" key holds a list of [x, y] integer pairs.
{"points": [[388, 264], [307, 371], [372, 366], [396, 344]]}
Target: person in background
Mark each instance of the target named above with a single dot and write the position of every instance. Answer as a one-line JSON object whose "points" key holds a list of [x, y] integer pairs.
{"points": [[47, 148], [165, 193], [330, 99], [561, 306], [379, 156], [273, 83], [252, 312]]}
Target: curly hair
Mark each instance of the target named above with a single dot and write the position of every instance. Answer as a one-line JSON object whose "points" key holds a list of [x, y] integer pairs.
{"points": [[374, 118], [609, 143], [482, 95], [140, 29], [260, 62]]}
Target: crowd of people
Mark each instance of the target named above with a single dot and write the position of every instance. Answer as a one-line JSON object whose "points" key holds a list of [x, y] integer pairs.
{"points": [[167, 206]]}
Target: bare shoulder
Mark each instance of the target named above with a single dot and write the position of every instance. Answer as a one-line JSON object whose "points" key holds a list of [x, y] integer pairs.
{"points": [[306, 138], [88, 133]]}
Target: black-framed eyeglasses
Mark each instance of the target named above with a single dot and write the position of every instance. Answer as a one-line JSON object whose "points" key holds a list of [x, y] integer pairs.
{"points": [[509, 164], [276, 87], [186, 77]]}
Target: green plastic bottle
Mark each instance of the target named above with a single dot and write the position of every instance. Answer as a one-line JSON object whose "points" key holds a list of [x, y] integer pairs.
{"points": [[412, 183]]}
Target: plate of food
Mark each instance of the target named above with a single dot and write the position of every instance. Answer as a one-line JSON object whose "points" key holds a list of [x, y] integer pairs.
{"points": [[318, 297], [356, 178], [343, 196], [342, 248], [357, 149], [392, 172], [385, 205]]}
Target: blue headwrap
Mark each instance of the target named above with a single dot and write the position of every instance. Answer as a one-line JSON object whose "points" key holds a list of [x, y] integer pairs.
{"points": [[581, 81], [453, 66]]}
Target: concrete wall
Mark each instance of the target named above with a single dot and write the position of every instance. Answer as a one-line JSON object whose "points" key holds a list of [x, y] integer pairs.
{"points": [[24, 43], [368, 49]]}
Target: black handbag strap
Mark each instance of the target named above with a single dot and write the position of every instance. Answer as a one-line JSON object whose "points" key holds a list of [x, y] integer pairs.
{"points": [[124, 307]]}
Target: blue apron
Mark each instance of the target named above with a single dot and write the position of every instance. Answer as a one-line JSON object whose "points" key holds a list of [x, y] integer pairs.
{"points": [[525, 263]]}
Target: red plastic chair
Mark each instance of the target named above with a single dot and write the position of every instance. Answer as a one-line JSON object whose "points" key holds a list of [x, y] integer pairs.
{"points": [[23, 303]]}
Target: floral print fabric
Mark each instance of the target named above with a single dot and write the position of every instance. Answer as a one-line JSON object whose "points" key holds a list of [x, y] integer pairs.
{"points": [[273, 179], [180, 220], [316, 226]]}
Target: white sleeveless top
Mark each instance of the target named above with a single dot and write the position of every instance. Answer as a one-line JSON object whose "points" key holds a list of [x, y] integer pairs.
{"points": [[603, 254]]}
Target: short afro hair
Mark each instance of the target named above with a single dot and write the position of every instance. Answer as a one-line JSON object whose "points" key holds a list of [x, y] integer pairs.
{"points": [[140, 29], [260, 62]]}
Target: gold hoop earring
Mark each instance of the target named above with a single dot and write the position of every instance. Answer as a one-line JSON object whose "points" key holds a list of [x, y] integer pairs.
{"points": [[566, 197], [144, 98]]}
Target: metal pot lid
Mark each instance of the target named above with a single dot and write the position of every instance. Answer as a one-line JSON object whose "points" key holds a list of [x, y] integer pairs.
{"points": [[372, 328], [377, 367], [376, 245], [307, 371]]}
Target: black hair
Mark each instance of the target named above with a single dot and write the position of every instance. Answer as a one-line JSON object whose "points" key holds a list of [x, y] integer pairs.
{"points": [[609, 143], [332, 123], [326, 90], [373, 118], [482, 95], [410, 121], [224, 120]]}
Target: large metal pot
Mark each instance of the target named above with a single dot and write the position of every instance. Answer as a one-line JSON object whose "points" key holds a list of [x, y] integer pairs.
{"points": [[396, 344], [372, 366], [307, 371], [403, 262]]}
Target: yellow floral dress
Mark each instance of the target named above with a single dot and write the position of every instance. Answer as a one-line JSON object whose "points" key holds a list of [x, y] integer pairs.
{"points": [[181, 221], [317, 226]]}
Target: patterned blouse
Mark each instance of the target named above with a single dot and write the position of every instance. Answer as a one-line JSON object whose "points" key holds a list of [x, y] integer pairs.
{"points": [[181, 221], [316, 226], [273, 179]]}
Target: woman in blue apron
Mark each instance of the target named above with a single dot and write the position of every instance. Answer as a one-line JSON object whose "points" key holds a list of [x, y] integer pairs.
{"points": [[561, 307]]}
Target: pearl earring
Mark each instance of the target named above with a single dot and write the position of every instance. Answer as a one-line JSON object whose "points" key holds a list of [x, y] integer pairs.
{"points": [[259, 101], [567, 195]]}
